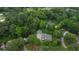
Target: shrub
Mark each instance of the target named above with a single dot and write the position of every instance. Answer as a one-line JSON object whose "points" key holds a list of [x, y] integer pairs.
{"points": [[34, 43], [15, 45], [51, 45], [32, 39], [70, 39], [57, 34]]}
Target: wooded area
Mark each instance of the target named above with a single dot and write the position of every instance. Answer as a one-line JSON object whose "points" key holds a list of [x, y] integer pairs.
{"points": [[39, 29]]}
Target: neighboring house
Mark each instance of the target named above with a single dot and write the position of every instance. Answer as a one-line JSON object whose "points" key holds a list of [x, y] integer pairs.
{"points": [[43, 36]]}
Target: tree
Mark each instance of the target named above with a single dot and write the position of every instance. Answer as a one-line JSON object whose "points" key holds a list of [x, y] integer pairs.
{"points": [[15, 45]]}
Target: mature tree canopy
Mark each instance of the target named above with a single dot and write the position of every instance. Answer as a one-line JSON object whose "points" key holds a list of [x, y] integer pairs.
{"points": [[24, 22]]}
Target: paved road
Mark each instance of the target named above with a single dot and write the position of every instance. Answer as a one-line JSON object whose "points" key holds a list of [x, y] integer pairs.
{"points": [[63, 43]]}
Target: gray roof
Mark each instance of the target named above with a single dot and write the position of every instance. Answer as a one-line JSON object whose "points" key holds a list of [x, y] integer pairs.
{"points": [[44, 36]]}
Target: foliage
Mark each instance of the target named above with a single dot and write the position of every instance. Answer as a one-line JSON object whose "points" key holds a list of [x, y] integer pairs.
{"points": [[70, 39], [15, 44], [57, 34], [24, 22], [33, 40]]}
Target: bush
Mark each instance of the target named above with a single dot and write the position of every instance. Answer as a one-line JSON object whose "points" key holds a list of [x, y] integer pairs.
{"points": [[51, 45], [32, 39], [34, 43], [57, 34], [72, 47], [70, 39], [15, 45]]}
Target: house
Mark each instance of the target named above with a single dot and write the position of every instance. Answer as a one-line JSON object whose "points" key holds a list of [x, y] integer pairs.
{"points": [[43, 36]]}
